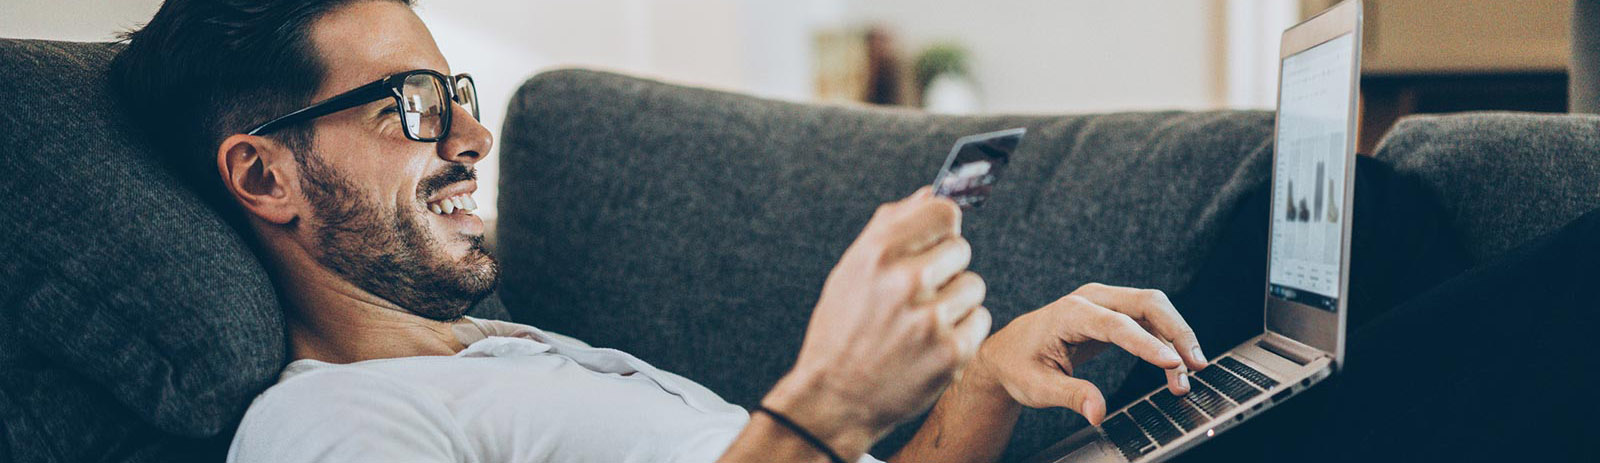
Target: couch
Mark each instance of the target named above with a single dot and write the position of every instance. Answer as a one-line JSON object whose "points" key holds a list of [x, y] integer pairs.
{"points": [[690, 227]]}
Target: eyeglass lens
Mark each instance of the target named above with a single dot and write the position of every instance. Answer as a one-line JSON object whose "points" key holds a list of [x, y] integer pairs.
{"points": [[423, 106], [467, 95]]}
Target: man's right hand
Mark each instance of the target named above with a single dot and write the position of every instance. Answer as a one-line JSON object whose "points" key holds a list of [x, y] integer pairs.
{"points": [[898, 318]]}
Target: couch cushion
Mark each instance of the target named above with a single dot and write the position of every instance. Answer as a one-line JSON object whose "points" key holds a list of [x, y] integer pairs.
{"points": [[134, 319], [694, 228], [128, 303], [1504, 177]]}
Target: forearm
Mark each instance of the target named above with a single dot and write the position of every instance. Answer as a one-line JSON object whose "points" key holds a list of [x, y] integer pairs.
{"points": [[971, 422], [839, 424], [764, 440]]}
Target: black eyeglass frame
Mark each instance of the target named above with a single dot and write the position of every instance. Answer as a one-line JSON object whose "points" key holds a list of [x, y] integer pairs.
{"points": [[392, 86]]}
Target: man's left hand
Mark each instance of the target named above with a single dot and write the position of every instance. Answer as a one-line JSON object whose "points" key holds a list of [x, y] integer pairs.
{"points": [[1033, 357]]}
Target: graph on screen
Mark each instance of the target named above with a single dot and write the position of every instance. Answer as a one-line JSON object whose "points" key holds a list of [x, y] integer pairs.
{"points": [[1311, 160]]}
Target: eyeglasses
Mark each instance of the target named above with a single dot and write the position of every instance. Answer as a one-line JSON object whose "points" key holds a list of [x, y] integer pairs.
{"points": [[422, 101]]}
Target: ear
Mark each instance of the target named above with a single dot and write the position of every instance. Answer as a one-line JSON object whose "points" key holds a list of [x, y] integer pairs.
{"points": [[261, 175]]}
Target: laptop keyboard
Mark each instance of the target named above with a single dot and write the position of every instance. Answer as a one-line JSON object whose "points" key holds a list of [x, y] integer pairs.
{"points": [[1154, 423], [1164, 417], [1123, 433], [1249, 374], [1208, 399], [1183, 412], [1228, 384]]}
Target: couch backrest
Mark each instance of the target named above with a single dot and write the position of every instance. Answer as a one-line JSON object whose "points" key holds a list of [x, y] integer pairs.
{"points": [[131, 311], [695, 228], [1505, 177]]}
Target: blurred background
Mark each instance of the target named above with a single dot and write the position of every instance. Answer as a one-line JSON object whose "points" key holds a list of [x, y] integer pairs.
{"points": [[967, 56]]}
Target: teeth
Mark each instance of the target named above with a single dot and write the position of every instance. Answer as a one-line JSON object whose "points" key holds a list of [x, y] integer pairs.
{"points": [[450, 205]]}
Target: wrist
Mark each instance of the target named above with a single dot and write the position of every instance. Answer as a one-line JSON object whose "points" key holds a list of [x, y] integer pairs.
{"points": [[981, 381], [843, 424]]}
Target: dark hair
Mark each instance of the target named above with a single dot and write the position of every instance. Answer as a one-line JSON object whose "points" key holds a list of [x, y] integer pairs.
{"points": [[202, 70]]}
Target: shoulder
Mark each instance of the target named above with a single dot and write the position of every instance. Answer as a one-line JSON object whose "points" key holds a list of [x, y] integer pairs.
{"points": [[346, 413], [339, 388]]}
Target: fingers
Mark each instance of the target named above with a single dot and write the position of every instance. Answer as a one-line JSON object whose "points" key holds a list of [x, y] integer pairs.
{"points": [[1090, 320], [938, 265], [959, 298], [971, 331], [920, 222], [1153, 307], [1178, 380]]}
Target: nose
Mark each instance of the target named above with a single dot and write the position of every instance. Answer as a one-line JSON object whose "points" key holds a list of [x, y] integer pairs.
{"points": [[469, 141]]}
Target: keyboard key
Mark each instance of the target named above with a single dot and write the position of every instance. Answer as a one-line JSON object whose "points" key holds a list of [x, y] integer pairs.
{"points": [[1249, 374], [1230, 385], [1120, 430], [1183, 413], [1154, 422], [1208, 399]]}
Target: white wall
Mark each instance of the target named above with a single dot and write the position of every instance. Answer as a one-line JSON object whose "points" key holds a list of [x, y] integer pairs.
{"points": [[1067, 55], [75, 20], [1254, 31], [752, 46]]}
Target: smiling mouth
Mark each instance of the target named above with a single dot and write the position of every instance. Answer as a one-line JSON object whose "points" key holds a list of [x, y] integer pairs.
{"points": [[462, 203]]}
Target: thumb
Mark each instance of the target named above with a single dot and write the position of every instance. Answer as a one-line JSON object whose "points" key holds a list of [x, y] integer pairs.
{"points": [[1080, 396], [1077, 394]]}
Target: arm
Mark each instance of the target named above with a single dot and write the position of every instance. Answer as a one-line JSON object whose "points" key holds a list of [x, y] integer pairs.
{"points": [[898, 319], [971, 422], [1030, 362], [838, 423], [898, 316]]}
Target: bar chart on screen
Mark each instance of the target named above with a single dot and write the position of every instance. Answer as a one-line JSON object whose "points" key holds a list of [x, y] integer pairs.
{"points": [[1309, 168], [1306, 229]]}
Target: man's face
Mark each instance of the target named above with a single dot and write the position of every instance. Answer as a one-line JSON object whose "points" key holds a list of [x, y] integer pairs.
{"points": [[371, 189]]}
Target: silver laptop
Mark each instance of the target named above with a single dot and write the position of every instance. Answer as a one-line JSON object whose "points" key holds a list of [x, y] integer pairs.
{"points": [[1308, 263]]}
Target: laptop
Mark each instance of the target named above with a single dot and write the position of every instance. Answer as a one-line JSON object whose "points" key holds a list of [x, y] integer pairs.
{"points": [[1308, 263]]}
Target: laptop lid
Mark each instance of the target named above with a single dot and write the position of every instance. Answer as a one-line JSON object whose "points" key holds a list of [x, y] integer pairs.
{"points": [[1313, 179]]}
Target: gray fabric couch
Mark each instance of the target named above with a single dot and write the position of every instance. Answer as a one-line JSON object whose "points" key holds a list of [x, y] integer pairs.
{"points": [[693, 228]]}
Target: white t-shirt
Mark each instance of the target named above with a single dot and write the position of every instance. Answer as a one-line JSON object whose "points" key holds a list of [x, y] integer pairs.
{"points": [[515, 394]]}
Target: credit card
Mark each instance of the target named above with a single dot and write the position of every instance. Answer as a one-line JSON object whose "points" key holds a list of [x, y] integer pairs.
{"points": [[974, 165]]}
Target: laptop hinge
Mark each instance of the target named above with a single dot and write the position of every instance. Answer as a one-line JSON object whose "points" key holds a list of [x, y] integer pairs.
{"points": [[1289, 348]]}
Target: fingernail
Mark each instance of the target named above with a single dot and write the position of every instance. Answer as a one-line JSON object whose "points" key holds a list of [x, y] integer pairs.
{"points": [[1183, 381], [1201, 356], [1170, 355]]}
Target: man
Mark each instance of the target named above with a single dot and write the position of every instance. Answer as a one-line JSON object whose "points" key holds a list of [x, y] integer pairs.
{"points": [[335, 133]]}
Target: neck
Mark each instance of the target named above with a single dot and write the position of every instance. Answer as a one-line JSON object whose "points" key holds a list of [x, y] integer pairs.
{"points": [[334, 321], [348, 331]]}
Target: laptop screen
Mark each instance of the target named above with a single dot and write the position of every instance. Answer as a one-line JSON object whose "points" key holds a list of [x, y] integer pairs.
{"points": [[1308, 174]]}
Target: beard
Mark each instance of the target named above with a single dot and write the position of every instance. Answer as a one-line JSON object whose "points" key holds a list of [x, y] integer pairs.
{"points": [[391, 253]]}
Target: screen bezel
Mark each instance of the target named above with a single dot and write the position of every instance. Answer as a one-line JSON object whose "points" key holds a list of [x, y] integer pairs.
{"points": [[1313, 326]]}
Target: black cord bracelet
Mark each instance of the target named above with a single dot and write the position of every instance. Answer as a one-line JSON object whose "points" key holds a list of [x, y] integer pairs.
{"points": [[799, 431]]}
